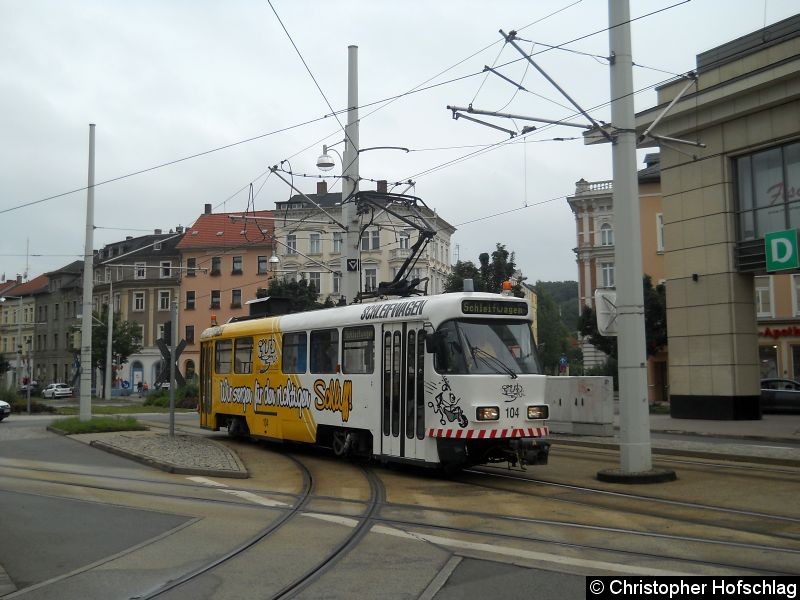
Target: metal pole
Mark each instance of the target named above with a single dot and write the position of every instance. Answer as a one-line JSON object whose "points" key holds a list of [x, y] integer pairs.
{"points": [[351, 280], [635, 451], [173, 343], [30, 377], [109, 337], [88, 271], [19, 342]]}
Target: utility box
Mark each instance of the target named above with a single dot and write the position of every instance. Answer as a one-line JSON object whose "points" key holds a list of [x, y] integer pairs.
{"points": [[581, 405]]}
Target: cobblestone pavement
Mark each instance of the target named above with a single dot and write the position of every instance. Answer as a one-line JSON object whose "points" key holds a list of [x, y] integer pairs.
{"points": [[185, 454]]}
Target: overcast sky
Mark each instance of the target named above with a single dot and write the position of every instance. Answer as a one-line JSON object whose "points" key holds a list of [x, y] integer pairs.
{"points": [[168, 79]]}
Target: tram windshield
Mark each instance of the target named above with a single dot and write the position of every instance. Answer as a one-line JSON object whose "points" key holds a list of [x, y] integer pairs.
{"points": [[475, 346]]}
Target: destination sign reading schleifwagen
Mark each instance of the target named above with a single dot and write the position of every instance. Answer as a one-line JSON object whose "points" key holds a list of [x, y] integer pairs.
{"points": [[493, 307]]}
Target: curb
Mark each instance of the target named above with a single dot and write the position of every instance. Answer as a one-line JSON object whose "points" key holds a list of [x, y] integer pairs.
{"points": [[169, 467]]}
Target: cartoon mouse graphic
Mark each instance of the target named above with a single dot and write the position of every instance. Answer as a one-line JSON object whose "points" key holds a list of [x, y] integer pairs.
{"points": [[447, 406]]}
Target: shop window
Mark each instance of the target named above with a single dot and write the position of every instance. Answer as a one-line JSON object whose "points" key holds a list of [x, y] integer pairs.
{"points": [[768, 361]]}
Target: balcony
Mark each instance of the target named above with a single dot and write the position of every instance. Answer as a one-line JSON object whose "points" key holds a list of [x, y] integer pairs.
{"points": [[399, 253]]}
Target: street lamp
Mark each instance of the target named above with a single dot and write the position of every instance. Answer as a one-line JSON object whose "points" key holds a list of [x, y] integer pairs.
{"points": [[325, 162], [19, 334]]}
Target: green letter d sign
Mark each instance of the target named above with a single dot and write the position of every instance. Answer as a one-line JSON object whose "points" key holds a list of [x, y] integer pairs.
{"points": [[781, 250]]}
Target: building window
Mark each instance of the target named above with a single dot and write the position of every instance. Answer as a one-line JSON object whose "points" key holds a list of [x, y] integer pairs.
{"points": [[215, 298], [163, 299], [796, 295], [263, 265], [606, 235], [190, 299], [216, 265], [659, 232], [768, 191], [403, 241], [763, 290], [337, 283], [371, 240], [315, 244], [236, 264], [191, 266], [116, 302], [138, 301], [370, 279], [157, 246], [337, 242], [166, 269], [140, 270], [236, 298], [314, 279], [607, 274], [291, 244]]}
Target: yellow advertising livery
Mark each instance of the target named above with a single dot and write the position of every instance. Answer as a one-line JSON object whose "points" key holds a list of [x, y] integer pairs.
{"points": [[450, 380]]}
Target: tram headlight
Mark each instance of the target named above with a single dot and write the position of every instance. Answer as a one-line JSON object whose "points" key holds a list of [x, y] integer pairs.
{"points": [[540, 411], [487, 413]]}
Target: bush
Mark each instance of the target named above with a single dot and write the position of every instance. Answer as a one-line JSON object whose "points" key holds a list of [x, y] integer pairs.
{"points": [[184, 398], [20, 405], [98, 425]]}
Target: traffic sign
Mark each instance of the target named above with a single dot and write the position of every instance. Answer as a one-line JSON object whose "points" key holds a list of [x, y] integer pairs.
{"points": [[563, 360], [126, 384], [781, 250], [352, 264]]}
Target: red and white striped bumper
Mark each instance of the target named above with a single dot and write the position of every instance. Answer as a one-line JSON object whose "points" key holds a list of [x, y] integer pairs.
{"points": [[489, 434]]}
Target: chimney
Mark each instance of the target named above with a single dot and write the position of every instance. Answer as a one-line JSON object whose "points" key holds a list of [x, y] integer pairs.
{"points": [[207, 210], [158, 232], [322, 188], [179, 229], [19, 278], [383, 187]]}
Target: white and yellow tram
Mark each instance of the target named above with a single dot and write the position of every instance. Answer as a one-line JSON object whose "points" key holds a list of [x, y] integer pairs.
{"points": [[449, 380]]}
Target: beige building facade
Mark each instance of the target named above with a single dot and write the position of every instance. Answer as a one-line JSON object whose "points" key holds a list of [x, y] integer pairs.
{"points": [[310, 247], [719, 204]]}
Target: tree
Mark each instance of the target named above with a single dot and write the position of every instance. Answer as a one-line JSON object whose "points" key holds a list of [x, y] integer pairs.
{"points": [[555, 338], [302, 293], [126, 339], [655, 322], [489, 275], [565, 295]]}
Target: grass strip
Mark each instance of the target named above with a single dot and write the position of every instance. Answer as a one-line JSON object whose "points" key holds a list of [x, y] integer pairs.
{"points": [[74, 425]]}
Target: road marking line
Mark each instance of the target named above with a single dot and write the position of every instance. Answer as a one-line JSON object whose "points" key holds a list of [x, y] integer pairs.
{"points": [[206, 481], [254, 498]]}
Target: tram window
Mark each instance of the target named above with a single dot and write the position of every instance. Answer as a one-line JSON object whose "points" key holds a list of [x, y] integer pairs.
{"points": [[294, 352], [222, 357], [243, 355], [325, 351], [358, 349]]}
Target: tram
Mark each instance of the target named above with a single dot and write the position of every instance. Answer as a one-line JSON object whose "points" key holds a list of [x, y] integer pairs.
{"points": [[446, 381]]}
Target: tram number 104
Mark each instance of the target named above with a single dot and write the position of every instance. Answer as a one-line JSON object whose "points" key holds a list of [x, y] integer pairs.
{"points": [[512, 412]]}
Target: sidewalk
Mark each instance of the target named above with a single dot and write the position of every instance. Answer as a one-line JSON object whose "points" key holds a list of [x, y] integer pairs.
{"points": [[720, 440]]}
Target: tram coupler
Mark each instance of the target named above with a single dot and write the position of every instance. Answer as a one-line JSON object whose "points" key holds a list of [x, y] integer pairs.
{"points": [[531, 451]]}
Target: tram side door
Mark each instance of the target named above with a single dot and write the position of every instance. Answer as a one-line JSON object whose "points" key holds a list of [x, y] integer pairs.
{"points": [[206, 365], [402, 390]]}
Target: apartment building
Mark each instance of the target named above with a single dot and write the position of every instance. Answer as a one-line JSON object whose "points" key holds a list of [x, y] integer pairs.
{"points": [[311, 247], [593, 208], [141, 276], [18, 322], [225, 261]]}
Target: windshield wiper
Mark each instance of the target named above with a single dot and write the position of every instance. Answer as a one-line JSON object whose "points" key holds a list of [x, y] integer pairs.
{"points": [[489, 359]]}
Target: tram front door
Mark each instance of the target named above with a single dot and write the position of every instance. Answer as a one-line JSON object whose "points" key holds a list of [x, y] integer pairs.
{"points": [[402, 390]]}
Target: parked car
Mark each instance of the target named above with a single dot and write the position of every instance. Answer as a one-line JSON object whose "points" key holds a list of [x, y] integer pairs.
{"points": [[33, 387], [5, 409], [57, 390], [780, 395]]}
